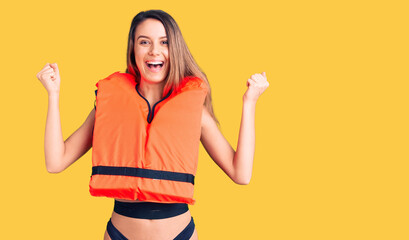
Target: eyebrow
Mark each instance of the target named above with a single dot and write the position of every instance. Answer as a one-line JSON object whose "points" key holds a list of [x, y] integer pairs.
{"points": [[143, 36]]}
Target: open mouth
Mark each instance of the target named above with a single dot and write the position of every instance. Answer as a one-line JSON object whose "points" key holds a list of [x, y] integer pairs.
{"points": [[156, 65]]}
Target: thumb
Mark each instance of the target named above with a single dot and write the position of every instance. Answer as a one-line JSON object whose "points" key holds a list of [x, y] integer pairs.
{"points": [[250, 82], [264, 74], [54, 66]]}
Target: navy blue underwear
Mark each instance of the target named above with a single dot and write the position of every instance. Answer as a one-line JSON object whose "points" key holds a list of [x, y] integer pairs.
{"points": [[150, 210], [186, 233]]}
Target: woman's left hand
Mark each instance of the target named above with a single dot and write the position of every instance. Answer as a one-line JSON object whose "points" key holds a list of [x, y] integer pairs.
{"points": [[256, 85]]}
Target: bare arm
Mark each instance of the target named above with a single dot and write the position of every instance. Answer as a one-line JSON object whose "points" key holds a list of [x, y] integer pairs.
{"points": [[238, 165], [60, 154]]}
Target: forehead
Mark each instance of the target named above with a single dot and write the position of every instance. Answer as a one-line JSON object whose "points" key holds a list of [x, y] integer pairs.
{"points": [[151, 28]]}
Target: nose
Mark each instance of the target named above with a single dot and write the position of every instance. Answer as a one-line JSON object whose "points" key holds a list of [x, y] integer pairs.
{"points": [[155, 49]]}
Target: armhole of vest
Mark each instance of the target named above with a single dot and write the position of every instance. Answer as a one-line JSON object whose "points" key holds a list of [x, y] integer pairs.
{"points": [[95, 101], [203, 86]]}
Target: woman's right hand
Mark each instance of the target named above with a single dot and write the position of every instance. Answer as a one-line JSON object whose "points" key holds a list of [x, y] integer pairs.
{"points": [[49, 76]]}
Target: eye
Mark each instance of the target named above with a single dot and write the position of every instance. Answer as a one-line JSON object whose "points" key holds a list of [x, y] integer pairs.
{"points": [[165, 42], [143, 42]]}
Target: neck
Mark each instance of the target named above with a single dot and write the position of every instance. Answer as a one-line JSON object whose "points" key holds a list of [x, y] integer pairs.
{"points": [[151, 91]]}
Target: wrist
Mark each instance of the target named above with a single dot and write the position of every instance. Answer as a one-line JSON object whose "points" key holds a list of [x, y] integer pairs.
{"points": [[54, 95], [249, 101]]}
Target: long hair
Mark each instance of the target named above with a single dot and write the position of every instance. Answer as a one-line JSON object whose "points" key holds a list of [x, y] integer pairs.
{"points": [[181, 61]]}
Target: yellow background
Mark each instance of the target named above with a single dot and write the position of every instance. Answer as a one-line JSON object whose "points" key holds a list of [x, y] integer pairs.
{"points": [[332, 130]]}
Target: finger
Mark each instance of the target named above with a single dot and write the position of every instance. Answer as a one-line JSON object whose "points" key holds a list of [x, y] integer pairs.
{"points": [[264, 74], [48, 71], [257, 77], [248, 82], [46, 74], [45, 69], [47, 65], [251, 82], [254, 77], [55, 68]]}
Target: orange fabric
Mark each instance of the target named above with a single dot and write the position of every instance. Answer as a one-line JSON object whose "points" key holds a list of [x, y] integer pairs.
{"points": [[124, 138]]}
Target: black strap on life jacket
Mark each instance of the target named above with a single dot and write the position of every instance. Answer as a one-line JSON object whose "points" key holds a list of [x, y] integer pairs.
{"points": [[144, 173]]}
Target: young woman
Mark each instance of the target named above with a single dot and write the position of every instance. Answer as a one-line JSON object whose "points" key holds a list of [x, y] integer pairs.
{"points": [[145, 130]]}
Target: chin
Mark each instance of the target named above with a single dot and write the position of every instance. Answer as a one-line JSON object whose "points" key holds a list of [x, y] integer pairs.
{"points": [[155, 79]]}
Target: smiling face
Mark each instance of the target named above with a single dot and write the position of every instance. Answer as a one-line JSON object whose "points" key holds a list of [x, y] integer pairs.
{"points": [[151, 51]]}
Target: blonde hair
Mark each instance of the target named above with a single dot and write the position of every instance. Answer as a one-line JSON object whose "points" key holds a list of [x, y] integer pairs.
{"points": [[181, 61]]}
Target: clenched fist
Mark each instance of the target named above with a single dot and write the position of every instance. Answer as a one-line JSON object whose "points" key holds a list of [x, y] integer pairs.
{"points": [[49, 76], [256, 85]]}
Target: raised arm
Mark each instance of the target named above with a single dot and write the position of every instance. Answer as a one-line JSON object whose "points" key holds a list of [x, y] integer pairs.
{"points": [[60, 154], [238, 165]]}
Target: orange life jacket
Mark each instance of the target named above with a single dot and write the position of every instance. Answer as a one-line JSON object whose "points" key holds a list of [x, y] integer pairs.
{"points": [[146, 152]]}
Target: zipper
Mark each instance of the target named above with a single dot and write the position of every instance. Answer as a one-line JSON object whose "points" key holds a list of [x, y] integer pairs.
{"points": [[151, 111]]}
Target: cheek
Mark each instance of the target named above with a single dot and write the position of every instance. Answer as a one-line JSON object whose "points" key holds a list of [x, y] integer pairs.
{"points": [[166, 55], [137, 54], [138, 57]]}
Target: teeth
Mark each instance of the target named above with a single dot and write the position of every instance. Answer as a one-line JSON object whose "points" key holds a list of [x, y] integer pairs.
{"points": [[154, 63]]}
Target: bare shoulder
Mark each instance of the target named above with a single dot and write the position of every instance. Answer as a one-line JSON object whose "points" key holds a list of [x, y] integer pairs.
{"points": [[207, 119]]}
